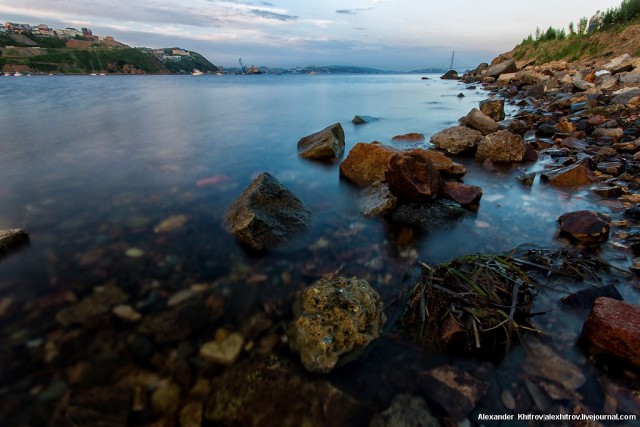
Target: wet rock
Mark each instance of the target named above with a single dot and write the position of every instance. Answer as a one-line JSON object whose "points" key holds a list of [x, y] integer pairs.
{"points": [[409, 137], [335, 319], [462, 193], [377, 200], [367, 163], [191, 415], [454, 389], [585, 226], [609, 192], [508, 66], [11, 239], [543, 362], [360, 120], [610, 168], [430, 216], [527, 179], [323, 145], [479, 121], [614, 327], [450, 75], [440, 162], [405, 411], [165, 399], [570, 176], [266, 214], [103, 299], [501, 146], [613, 133], [177, 323], [104, 407], [413, 178], [494, 108], [275, 393], [546, 129], [224, 351], [457, 139], [584, 299], [171, 223], [633, 212]]}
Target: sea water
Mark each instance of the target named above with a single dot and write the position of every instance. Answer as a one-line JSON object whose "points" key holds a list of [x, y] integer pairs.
{"points": [[126, 179]]}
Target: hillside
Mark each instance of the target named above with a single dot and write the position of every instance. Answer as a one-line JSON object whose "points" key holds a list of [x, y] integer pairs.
{"points": [[51, 55], [599, 45]]}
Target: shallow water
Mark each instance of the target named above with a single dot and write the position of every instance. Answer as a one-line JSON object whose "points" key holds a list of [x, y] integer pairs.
{"points": [[90, 166]]}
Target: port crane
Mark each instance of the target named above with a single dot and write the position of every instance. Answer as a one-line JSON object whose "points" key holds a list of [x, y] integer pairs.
{"points": [[244, 69]]}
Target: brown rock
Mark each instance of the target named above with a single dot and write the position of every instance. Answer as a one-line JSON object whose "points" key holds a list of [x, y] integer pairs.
{"points": [[12, 239], [608, 133], [494, 108], [377, 200], [565, 126], [504, 67], [325, 144], [266, 214], [501, 146], [454, 389], [413, 178], [367, 163], [610, 168], [462, 193], [439, 161], [614, 327], [479, 121], [585, 226], [570, 176], [457, 139], [409, 137]]}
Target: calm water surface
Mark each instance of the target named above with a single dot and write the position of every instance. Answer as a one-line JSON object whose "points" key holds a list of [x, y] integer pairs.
{"points": [[91, 165]]}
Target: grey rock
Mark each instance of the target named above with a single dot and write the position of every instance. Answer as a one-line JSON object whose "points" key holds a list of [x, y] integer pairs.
{"points": [[450, 75], [504, 67], [360, 120], [325, 144], [582, 85], [435, 215], [479, 121], [334, 320], [626, 96], [457, 139], [630, 78], [266, 214], [377, 200]]}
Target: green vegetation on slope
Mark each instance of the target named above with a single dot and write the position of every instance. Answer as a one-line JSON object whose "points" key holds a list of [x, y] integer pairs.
{"points": [[581, 42]]}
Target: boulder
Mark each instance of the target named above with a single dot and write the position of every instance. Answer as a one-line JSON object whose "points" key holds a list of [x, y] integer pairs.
{"points": [[570, 176], [585, 226], [428, 217], [623, 98], [457, 139], [617, 61], [266, 214], [323, 145], [462, 193], [504, 67], [11, 239], [405, 411], [360, 120], [367, 163], [479, 121], [450, 75], [377, 200], [413, 178], [440, 162], [501, 146], [334, 321], [494, 108], [409, 137], [614, 327], [454, 389]]}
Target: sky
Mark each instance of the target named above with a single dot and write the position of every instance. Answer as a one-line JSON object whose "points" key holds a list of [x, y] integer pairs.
{"points": [[399, 35]]}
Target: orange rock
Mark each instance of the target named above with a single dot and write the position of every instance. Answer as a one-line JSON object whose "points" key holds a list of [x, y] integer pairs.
{"points": [[367, 163], [409, 137]]}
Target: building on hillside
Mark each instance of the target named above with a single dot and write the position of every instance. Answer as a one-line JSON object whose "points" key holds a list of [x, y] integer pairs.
{"points": [[17, 28], [68, 33], [176, 51], [43, 30], [87, 33]]}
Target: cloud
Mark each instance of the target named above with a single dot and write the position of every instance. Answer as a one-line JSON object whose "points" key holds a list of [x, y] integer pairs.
{"points": [[353, 11], [272, 15]]}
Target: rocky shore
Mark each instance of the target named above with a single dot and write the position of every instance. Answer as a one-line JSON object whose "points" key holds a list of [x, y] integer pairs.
{"points": [[116, 358]]}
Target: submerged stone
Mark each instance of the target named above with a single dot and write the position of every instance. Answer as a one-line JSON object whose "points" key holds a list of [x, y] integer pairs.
{"points": [[431, 216], [360, 120], [335, 319], [406, 410], [266, 214], [103, 299]]}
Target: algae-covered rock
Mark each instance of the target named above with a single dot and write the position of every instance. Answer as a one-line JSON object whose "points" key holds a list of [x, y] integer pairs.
{"points": [[335, 319]]}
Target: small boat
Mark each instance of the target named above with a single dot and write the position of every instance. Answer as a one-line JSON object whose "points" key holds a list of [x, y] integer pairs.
{"points": [[17, 74], [197, 72]]}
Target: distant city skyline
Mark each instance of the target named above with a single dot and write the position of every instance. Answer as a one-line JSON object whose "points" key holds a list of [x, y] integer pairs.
{"points": [[396, 35]]}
